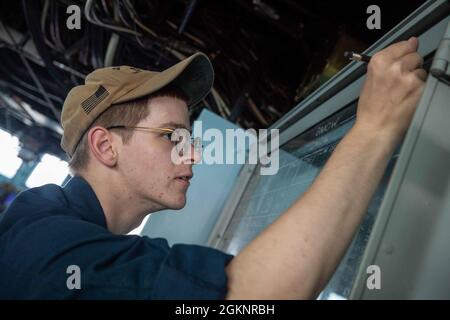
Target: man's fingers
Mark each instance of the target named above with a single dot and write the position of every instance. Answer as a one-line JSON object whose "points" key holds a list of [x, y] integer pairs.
{"points": [[411, 61], [421, 74], [399, 49]]}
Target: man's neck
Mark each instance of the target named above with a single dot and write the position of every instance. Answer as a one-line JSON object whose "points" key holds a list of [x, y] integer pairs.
{"points": [[122, 209]]}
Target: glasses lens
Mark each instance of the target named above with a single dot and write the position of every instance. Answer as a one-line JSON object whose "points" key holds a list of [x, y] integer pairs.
{"points": [[197, 142]]}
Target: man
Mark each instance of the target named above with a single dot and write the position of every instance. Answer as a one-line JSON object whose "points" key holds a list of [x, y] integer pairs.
{"points": [[7, 194], [117, 131]]}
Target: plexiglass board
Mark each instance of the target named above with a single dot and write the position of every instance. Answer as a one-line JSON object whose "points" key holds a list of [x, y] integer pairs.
{"points": [[301, 160]]}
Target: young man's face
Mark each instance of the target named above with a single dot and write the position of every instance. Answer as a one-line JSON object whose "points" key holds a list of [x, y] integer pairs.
{"points": [[145, 161]]}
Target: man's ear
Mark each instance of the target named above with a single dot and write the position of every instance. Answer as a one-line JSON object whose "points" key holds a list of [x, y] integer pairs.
{"points": [[103, 146]]}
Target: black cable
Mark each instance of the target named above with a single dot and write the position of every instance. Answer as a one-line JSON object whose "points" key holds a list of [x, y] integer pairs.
{"points": [[31, 73], [190, 8], [8, 74], [123, 14], [105, 7], [13, 69], [31, 17], [57, 30]]}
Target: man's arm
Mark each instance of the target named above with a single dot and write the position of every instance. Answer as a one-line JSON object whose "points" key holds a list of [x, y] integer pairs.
{"points": [[297, 254]]}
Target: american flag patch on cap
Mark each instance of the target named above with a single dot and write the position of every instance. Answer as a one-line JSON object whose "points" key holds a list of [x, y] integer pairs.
{"points": [[91, 102]]}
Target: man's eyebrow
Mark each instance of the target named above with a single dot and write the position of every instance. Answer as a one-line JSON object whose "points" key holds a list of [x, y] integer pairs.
{"points": [[172, 124]]}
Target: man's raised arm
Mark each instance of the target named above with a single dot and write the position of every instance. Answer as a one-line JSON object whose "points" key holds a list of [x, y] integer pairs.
{"points": [[297, 254]]}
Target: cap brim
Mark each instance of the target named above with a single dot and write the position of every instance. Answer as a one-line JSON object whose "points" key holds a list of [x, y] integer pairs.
{"points": [[194, 75]]}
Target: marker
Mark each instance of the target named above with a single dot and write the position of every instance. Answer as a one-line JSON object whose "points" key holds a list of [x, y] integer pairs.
{"points": [[357, 56]]}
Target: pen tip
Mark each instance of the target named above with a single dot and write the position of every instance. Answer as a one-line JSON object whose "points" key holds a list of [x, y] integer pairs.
{"points": [[348, 54]]}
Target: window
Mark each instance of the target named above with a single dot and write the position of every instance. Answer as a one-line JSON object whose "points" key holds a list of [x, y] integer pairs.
{"points": [[9, 161], [50, 170]]}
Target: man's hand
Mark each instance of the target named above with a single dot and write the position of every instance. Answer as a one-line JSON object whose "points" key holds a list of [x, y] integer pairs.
{"points": [[393, 87]]}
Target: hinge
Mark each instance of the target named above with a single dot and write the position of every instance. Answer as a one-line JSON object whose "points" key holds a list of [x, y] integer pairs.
{"points": [[440, 67]]}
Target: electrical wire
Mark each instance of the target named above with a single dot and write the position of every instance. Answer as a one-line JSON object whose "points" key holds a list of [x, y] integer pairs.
{"points": [[133, 15], [92, 18], [29, 9], [56, 30], [52, 107], [43, 19], [113, 42]]}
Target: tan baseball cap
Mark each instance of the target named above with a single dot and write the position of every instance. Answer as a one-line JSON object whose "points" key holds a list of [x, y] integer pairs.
{"points": [[108, 86]]}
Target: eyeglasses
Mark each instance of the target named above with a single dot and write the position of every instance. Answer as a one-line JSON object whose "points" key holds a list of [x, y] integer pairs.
{"points": [[196, 142]]}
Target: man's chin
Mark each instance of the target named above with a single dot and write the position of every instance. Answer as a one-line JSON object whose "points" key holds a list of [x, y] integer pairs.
{"points": [[177, 204], [170, 204]]}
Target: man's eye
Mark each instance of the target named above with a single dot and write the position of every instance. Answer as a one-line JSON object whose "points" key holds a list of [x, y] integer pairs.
{"points": [[168, 136]]}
